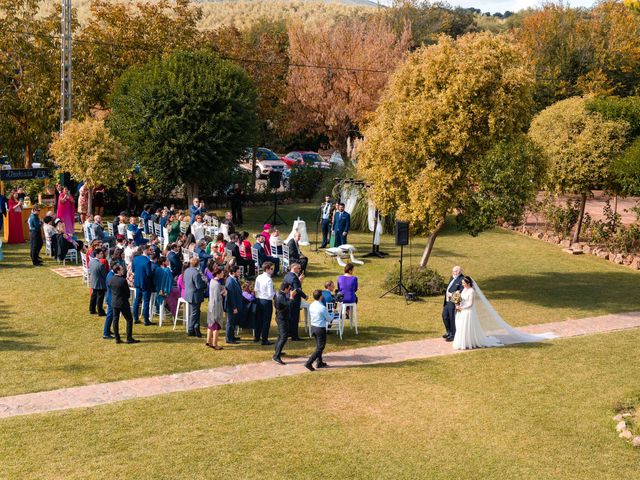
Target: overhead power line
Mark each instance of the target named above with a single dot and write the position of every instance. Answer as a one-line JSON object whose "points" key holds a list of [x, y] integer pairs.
{"points": [[77, 40]]}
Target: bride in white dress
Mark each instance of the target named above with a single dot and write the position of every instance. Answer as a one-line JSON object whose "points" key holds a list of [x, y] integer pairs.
{"points": [[478, 325]]}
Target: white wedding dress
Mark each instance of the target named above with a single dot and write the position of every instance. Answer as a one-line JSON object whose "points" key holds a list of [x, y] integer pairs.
{"points": [[478, 325]]}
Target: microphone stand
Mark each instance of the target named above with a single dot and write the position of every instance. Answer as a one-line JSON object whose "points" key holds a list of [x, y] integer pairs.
{"points": [[318, 218]]}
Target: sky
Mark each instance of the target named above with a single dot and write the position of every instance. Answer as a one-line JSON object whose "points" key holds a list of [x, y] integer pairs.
{"points": [[503, 5]]}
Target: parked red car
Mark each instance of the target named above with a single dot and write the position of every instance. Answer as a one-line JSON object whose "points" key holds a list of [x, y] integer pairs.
{"points": [[312, 159]]}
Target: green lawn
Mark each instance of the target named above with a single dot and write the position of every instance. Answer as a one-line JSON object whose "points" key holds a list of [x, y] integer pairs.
{"points": [[48, 340], [530, 412]]}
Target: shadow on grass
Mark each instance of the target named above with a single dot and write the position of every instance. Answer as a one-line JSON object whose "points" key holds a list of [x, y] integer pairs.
{"points": [[607, 291]]}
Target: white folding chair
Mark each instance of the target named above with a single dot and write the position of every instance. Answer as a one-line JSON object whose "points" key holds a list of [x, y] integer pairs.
{"points": [[353, 317], [47, 247], [185, 317], [254, 257], [337, 322], [72, 254], [183, 227], [110, 229], [285, 258], [85, 270], [152, 308]]}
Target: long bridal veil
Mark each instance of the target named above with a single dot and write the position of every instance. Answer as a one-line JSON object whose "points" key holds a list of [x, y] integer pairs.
{"points": [[493, 324]]}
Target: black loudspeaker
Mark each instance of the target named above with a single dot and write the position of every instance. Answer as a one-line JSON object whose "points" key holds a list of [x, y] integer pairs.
{"points": [[402, 233], [274, 179]]}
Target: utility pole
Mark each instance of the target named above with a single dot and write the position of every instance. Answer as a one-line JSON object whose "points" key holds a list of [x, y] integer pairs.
{"points": [[65, 64]]}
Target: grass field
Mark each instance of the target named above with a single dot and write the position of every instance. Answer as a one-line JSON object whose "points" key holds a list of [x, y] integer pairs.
{"points": [[48, 340], [530, 412]]}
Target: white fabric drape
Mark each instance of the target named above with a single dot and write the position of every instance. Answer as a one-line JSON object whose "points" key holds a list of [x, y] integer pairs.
{"points": [[493, 324], [349, 197], [372, 223]]}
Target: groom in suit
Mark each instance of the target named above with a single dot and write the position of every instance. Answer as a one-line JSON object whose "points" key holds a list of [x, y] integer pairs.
{"points": [[449, 308], [341, 224]]}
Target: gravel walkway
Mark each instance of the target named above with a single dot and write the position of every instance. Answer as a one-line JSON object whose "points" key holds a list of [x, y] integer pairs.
{"points": [[105, 393]]}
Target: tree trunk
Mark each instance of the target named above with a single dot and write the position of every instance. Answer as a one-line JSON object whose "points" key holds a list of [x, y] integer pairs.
{"points": [[90, 201], [254, 181], [191, 190], [583, 203], [27, 156], [615, 205], [430, 241]]}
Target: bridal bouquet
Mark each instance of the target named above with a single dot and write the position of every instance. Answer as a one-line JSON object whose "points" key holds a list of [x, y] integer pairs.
{"points": [[456, 298]]}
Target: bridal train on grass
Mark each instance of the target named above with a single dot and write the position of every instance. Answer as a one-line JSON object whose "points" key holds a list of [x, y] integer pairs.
{"points": [[478, 325]]}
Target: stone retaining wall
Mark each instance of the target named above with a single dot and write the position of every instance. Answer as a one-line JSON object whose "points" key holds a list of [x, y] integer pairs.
{"points": [[629, 260]]}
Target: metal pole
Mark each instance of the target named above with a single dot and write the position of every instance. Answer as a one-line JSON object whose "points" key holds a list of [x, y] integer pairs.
{"points": [[65, 64]]}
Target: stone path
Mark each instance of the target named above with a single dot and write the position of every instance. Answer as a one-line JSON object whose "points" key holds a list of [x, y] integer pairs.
{"points": [[105, 393]]}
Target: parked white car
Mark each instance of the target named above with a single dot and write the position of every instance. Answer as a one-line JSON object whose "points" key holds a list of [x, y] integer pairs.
{"points": [[266, 162]]}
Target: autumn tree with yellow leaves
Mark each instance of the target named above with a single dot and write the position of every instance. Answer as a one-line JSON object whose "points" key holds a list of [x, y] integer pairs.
{"points": [[448, 135]]}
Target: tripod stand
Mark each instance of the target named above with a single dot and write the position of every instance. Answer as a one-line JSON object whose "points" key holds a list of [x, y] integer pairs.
{"points": [[399, 288], [275, 216]]}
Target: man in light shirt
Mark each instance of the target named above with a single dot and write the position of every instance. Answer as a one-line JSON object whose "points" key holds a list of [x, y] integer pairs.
{"points": [[264, 307], [320, 318]]}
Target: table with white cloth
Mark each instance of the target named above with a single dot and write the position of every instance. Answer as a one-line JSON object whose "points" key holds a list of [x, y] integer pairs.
{"points": [[299, 226]]}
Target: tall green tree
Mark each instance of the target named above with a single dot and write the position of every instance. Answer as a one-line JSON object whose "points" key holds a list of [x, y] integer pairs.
{"points": [[187, 118], [625, 169], [29, 77], [580, 147], [432, 145]]}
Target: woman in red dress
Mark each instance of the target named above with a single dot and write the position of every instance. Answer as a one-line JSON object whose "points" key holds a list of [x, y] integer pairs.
{"points": [[15, 219]]}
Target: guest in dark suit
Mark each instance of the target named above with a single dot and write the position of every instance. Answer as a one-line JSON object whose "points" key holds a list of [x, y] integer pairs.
{"points": [[262, 254], [143, 282], [341, 224], [4, 209], [175, 262], [136, 232], [234, 304], [145, 216], [203, 256], [295, 256], [326, 215], [35, 235], [107, 333], [282, 304], [196, 209], [448, 307], [98, 283], [294, 278], [120, 303], [194, 286], [236, 196], [98, 232]]}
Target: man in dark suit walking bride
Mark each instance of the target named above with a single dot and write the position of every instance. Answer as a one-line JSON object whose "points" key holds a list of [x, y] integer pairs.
{"points": [[449, 308]]}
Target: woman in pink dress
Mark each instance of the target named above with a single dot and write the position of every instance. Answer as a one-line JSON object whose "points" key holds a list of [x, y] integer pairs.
{"points": [[15, 219], [66, 210]]}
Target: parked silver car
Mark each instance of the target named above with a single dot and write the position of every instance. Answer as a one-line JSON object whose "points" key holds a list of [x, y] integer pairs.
{"points": [[266, 162]]}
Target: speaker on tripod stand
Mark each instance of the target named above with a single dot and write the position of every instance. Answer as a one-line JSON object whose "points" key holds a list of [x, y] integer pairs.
{"points": [[401, 231], [275, 180]]}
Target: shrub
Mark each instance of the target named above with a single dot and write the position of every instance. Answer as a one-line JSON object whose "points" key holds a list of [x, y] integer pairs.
{"points": [[561, 219], [625, 240], [306, 181], [423, 282]]}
